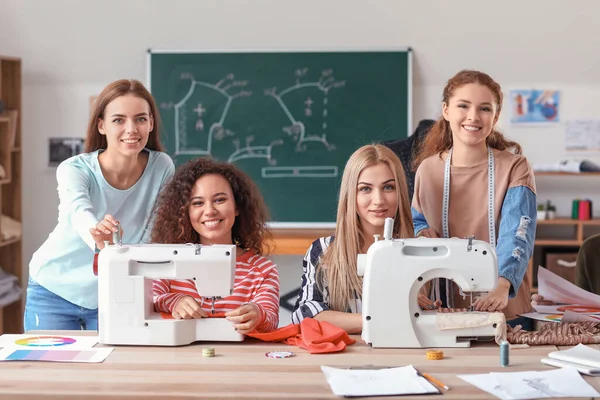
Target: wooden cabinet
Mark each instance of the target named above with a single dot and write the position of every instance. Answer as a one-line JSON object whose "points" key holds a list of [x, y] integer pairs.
{"points": [[11, 316]]}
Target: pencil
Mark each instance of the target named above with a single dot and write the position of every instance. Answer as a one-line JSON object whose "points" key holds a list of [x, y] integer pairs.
{"points": [[435, 381]]}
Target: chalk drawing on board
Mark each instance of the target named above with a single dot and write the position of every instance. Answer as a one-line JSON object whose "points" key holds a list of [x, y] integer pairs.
{"points": [[196, 139], [327, 171], [228, 90], [253, 151], [297, 129]]}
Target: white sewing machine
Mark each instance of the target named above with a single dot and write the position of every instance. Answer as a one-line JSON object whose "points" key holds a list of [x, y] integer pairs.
{"points": [[125, 310], [394, 271]]}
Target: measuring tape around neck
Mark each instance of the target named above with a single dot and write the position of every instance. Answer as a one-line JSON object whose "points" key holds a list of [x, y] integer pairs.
{"points": [[446, 198]]}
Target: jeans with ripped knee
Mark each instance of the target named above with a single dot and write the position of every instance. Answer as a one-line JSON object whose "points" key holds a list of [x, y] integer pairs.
{"points": [[45, 310]]}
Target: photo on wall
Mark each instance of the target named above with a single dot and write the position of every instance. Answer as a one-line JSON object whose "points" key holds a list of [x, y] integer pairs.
{"points": [[59, 149], [534, 106]]}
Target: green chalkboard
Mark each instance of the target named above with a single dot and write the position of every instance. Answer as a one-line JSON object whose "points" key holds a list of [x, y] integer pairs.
{"points": [[288, 119]]}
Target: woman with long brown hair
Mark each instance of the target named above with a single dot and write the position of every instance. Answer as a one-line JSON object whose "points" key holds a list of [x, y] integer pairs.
{"points": [[472, 181], [116, 181], [373, 188]]}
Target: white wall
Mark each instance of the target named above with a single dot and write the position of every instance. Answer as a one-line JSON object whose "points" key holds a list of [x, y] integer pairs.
{"points": [[72, 48]]}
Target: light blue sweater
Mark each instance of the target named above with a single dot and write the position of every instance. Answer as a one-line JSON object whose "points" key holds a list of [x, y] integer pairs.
{"points": [[63, 264]]}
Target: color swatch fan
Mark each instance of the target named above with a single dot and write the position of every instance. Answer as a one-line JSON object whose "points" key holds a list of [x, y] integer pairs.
{"points": [[30, 342], [45, 341]]}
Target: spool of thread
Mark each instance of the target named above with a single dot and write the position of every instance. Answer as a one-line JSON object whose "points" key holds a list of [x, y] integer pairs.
{"points": [[504, 349], [116, 236], [435, 355], [585, 210], [208, 352], [575, 209]]}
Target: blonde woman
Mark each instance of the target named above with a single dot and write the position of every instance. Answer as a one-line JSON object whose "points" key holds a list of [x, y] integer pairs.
{"points": [[373, 188]]}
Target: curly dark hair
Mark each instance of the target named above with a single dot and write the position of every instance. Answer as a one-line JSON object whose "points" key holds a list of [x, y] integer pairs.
{"points": [[172, 221]]}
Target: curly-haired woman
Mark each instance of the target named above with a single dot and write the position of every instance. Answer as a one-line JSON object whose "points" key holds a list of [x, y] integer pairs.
{"points": [[210, 202]]}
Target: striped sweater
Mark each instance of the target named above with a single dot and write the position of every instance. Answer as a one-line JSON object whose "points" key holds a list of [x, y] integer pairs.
{"points": [[256, 281], [313, 297]]}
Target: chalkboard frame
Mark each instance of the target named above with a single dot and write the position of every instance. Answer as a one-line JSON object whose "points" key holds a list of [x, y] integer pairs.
{"points": [[392, 49]]}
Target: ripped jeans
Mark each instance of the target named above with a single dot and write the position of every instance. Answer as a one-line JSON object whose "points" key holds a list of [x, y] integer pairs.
{"points": [[45, 310]]}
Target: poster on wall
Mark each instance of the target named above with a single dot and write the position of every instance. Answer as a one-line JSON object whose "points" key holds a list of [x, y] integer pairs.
{"points": [[534, 106], [583, 136]]}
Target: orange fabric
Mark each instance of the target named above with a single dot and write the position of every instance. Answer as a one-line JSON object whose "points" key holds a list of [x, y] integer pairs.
{"points": [[312, 335]]}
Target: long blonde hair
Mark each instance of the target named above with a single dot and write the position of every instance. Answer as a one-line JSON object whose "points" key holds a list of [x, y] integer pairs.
{"points": [[339, 260]]}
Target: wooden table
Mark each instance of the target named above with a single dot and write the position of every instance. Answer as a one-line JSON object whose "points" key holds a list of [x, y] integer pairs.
{"points": [[242, 371]]}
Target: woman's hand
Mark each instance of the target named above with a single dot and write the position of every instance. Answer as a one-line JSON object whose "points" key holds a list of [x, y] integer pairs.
{"points": [[103, 231], [496, 300], [188, 308], [426, 304], [428, 233], [244, 318], [536, 300]]}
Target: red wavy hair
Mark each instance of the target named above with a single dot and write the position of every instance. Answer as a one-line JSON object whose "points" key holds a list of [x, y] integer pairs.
{"points": [[439, 137]]}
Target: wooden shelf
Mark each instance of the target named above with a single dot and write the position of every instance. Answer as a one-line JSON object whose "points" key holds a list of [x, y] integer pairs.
{"points": [[11, 258], [548, 173], [578, 226], [575, 240], [568, 221], [9, 241], [557, 242]]}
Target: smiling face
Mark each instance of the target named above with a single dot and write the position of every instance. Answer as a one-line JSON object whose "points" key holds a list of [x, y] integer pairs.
{"points": [[376, 198], [126, 124], [212, 209], [472, 114]]}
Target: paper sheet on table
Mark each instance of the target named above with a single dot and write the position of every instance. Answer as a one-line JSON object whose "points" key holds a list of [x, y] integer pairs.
{"points": [[570, 316], [583, 369], [487, 383], [553, 287], [567, 316], [561, 308], [533, 384], [377, 382], [564, 382], [55, 355], [543, 317], [581, 357], [64, 342], [580, 354]]}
